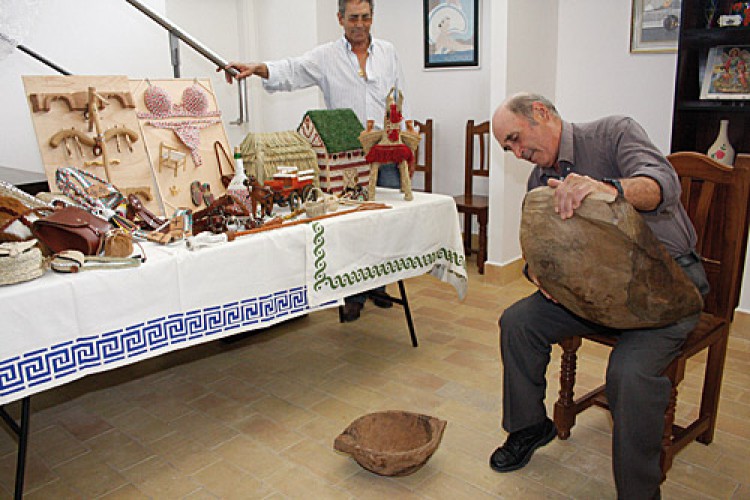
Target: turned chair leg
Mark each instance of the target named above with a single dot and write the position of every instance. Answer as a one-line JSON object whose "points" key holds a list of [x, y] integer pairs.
{"points": [[565, 411]]}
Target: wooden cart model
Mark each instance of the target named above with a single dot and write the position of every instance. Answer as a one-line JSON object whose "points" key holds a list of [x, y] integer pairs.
{"points": [[291, 186]]}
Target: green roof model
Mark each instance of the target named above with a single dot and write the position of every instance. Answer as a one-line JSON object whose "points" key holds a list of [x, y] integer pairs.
{"points": [[338, 128]]}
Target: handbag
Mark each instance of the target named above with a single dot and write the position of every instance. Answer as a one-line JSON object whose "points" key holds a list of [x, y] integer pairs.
{"points": [[72, 228]]}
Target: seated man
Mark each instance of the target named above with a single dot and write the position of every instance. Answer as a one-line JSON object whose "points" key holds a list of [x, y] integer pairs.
{"points": [[611, 154]]}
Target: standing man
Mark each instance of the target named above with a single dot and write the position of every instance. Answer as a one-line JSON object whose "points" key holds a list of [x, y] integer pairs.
{"points": [[356, 71], [612, 154]]}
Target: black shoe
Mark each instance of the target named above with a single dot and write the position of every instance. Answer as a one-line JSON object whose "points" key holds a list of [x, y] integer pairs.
{"points": [[351, 311], [382, 302], [520, 445]]}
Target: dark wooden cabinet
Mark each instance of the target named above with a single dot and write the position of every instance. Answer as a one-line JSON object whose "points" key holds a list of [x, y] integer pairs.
{"points": [[696, 122]]}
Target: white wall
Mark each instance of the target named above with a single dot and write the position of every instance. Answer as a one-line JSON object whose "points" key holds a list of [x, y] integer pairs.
{"points": [[448, 96], [88, 37], [524, 58], [597, 75]]}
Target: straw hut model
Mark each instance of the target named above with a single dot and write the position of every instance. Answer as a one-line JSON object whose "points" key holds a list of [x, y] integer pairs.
{"points": [[334, 136], [264, 153]]}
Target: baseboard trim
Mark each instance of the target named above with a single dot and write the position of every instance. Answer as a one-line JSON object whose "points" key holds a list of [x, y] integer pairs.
{"points": [[503, 274]]}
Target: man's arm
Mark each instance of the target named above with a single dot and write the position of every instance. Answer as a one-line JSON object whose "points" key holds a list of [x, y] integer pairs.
{"points": [[244, 71], [643, 193]]}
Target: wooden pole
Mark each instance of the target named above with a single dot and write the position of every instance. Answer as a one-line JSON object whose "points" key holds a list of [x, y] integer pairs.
{"points": [[95, 123]]}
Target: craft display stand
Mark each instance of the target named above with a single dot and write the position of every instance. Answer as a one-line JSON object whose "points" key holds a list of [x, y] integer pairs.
{"points": [[174, 183], [89, 122]]}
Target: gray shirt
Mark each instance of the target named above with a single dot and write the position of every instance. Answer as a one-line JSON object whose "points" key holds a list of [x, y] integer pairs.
{"points": [[617, 147]]}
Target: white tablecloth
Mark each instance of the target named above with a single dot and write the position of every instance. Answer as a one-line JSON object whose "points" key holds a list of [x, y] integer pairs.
{"points": [[61, 327]]}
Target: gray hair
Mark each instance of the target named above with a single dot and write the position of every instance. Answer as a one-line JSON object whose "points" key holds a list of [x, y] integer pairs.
{"points": [[342, 5], [521, 104]]}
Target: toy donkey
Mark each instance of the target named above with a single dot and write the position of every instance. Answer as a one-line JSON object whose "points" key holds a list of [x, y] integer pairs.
{"points": [[390, 145]]}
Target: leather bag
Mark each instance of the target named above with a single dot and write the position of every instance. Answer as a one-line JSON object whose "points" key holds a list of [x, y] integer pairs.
{"points": [[72, 228]]}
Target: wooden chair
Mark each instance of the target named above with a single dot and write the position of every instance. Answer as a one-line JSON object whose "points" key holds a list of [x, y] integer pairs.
{"points": [[424, 153], [469, 204], [716, 199]]}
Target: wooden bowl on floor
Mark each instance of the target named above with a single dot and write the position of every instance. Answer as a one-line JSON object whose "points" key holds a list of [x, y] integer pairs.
{"points": [[391, 443]]}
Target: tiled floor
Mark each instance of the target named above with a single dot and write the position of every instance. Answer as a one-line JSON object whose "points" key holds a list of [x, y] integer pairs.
{"points": [[256, 418]]}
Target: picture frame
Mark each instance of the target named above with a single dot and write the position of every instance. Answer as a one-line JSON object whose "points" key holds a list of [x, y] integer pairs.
{"points": [[451, 33], [727, 73], [654, 26]]}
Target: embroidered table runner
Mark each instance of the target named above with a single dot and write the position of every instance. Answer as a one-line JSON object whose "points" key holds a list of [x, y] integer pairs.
{"points": [[364, 250]]}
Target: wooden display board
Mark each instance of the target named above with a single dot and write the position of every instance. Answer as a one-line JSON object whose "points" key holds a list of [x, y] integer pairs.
{"points": [[156, 163], [174, 180], [58, 107]]}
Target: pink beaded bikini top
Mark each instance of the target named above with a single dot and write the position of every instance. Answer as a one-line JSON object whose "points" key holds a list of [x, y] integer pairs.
{"points": [[159, 103]]}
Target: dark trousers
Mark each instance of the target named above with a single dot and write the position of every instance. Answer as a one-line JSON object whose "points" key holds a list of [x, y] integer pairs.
{"points": [[638, 394]]}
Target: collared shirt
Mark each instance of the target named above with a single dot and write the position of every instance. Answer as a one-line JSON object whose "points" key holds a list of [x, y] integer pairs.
{"points": [[334, 68], [617, 147]]}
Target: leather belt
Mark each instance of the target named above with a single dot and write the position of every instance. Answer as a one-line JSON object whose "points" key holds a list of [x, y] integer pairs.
{"points": [[688, 259]]}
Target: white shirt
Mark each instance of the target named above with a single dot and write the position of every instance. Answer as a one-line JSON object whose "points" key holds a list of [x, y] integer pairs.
{"points": [[334, 68]]}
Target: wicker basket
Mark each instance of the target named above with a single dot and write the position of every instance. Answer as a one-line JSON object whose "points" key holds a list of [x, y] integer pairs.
{"points": [[315, 203], [20, 261], [391, 443], [332, 202]]}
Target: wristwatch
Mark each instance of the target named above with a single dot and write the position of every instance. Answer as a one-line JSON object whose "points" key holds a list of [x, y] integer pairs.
{"points": [[617, 184]]}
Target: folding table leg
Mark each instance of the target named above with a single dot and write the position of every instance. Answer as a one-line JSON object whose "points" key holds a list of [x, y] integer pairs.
{"points": [[407, 312], [22, 431], [403, 302]]}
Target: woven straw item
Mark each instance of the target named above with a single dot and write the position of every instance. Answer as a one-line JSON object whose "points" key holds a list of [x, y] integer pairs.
{"points": [[317, 207], [20, 261], [263, 153]]}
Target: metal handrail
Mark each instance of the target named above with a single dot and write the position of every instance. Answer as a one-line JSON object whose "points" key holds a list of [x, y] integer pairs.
{"points": [[176, 31]]}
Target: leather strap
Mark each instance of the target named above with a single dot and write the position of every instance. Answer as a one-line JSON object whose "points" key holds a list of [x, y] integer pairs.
{"points": [[219, 146]]}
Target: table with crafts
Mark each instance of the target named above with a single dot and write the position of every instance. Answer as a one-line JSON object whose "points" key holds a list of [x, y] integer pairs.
{"points": [[61, 327]]}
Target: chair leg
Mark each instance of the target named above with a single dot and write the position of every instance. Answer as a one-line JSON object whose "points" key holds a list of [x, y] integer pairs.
{"points": [[675, 372], [717, 354], [482, 255], [467, 234], [565, 411]]}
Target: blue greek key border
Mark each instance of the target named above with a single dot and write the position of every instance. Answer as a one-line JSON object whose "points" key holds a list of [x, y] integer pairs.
{"points": [[22, 373]]}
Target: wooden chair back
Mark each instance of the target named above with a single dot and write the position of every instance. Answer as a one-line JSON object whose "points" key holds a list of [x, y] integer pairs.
{"points": [[477, 151], [424, 152], [716, 199]]}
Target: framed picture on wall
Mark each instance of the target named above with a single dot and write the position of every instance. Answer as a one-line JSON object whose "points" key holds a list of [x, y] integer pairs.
{"points": [[654, 25], [727, 73], [451, 33]]}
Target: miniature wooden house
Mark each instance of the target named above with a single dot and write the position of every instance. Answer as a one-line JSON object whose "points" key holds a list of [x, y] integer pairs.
{"points": [[334, 136]]}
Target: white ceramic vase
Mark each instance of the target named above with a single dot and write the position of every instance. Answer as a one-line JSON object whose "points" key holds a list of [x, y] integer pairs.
{"points": [[721, 150]]}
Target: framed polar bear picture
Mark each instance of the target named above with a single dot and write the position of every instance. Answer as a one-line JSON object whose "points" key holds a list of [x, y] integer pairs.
{"points": [[451, 33]]}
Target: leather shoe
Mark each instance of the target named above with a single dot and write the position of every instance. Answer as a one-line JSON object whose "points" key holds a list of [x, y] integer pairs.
{"points": [[351, 311], [383, 303], [520, 445]]}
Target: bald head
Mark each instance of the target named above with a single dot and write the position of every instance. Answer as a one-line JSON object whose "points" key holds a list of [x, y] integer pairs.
{"points": [[530, 127]]}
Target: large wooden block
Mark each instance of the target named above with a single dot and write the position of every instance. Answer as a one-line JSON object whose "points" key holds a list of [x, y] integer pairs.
{"points": [[604, 264]]}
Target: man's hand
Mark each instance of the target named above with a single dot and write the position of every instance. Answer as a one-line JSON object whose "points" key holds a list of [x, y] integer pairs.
{"points": [[570, 193], [244, 70]]}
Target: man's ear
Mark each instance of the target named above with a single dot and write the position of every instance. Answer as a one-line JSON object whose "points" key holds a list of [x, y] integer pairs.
{"points": [[540, 111], [341, 18]]}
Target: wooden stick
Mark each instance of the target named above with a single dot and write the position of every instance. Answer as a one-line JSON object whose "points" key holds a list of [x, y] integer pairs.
{"points": [[366, 206], [94, 120]]}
